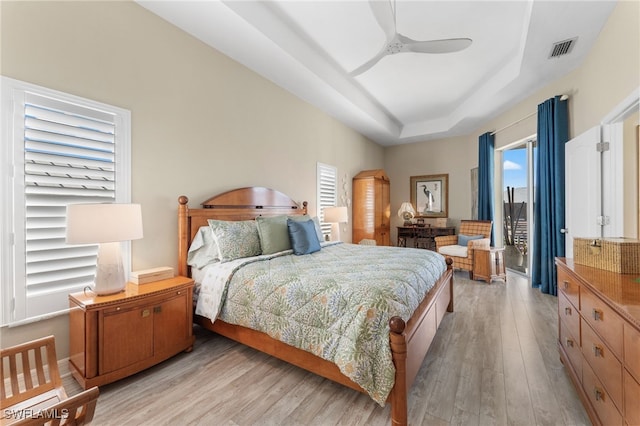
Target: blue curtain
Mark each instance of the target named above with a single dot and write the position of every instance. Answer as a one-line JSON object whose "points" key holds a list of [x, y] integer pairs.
{"points": [[485, 179], [548, 241]]}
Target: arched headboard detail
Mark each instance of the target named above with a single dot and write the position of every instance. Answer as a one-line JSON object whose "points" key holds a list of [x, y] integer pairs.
{"points": [[238, 204]]}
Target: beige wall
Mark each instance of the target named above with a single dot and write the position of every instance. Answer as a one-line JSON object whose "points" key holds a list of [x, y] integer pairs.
{"points": [[201, 123], [608, 75]]}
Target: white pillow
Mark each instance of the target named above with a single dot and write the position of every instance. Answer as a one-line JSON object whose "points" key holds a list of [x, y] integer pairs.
{"points": [[203, 249]]}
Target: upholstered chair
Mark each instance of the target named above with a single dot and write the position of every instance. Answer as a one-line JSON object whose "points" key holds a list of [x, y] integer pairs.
{"points": [[473, 234]]}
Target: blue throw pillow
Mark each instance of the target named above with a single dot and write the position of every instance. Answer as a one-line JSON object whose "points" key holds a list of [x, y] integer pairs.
{"points": [[463, 240], [303, 237]]}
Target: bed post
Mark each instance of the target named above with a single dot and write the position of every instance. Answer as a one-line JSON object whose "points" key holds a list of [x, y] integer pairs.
{"points": [[399, 354], [449, 262], [183, 235]]}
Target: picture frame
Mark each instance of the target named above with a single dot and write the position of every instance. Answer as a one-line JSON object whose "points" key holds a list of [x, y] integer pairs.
{"points": [[430, 195]]}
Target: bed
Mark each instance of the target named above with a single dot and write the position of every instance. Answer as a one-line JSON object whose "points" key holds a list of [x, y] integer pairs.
{"points": [[408, 339]]}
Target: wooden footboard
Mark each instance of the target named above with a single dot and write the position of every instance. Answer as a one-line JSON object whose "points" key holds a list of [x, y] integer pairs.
{"points": [[409, 341]]}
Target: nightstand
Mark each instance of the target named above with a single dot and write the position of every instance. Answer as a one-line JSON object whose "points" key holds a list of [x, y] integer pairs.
{"points": [[115, 336], [488, 264]]}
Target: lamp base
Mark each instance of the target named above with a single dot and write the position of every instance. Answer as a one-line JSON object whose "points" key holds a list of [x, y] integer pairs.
{"points": [[335, 232], [109, 270]]}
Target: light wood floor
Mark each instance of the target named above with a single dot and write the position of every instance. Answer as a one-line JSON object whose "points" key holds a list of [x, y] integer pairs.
{"points": [[493, 362]]}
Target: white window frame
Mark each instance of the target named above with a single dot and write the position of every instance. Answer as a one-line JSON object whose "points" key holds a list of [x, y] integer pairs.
{"points": [[13, 288], [327, 192]]}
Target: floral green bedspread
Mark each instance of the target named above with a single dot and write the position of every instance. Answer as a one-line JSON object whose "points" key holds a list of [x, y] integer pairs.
{"points": [[335, 303]]}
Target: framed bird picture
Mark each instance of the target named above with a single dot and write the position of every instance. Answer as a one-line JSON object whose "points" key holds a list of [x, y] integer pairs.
{"points": [[430, 195]]}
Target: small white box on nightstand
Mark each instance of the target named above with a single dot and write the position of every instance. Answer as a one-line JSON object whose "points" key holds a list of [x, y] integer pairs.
{"points": [[151, 275]]}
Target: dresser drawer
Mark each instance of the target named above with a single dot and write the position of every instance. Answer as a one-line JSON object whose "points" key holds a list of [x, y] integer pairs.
{"points": [[631, 399], [599, 398], [571, 347], [604, 364], [568, 286], [632, 351], [603, 319], [570, 315]]}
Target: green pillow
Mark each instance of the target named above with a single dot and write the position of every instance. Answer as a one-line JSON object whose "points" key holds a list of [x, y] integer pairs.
{"points": [[274, 236]]}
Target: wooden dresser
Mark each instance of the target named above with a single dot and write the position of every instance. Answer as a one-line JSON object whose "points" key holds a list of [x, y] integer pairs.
{"points": [[599, 340], [114, 336], [371, 207]]}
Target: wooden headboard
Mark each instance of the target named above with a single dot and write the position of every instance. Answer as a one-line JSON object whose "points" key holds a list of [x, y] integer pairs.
{"points": [[238, 204]]}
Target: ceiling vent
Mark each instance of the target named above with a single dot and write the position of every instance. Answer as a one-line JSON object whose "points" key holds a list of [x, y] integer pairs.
{"points": [[562, 47]]}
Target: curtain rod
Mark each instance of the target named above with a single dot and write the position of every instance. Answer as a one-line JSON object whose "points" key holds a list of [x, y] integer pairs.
{"points": [[562, 98]]}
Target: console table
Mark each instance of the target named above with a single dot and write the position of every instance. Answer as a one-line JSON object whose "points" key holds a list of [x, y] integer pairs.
{"points": [[422, 236]]}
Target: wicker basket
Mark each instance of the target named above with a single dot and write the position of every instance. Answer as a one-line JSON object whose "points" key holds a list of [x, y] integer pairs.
{"points": [[621, 255]]}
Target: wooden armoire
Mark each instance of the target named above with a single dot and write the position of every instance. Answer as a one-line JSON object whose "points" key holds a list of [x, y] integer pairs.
{"points": [[371, 207]]}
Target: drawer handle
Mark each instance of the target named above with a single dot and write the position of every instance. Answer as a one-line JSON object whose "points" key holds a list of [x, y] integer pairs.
{"points": [[570, 343], [598, 394], [567, 311], [598, 351], [145, 313], [566, 284], [597, 314], [178, 292]]}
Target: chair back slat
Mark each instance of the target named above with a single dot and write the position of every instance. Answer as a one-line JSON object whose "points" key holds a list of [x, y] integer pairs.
{"points": [[26, 369]]}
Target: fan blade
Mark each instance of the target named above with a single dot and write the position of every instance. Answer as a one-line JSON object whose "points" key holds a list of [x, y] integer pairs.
{"points": [[371, 62], [436, 46], [383, 12]]}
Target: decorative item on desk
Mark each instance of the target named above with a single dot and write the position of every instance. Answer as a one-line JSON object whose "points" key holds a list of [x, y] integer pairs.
{"points": [[406, 212], [335, 216], [441, 222], [150, 275], [107, 224]]}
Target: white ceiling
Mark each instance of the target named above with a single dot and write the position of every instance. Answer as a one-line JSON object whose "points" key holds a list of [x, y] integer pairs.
{"points": [[310, 47]]}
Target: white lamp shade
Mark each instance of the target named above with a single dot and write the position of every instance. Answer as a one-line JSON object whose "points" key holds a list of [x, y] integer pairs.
{"points": [[406, 207], [108, 225], [336, 215], [103, 223]]}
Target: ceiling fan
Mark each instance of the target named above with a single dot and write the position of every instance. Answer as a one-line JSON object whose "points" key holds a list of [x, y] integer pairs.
{"points": [[395, 43]]}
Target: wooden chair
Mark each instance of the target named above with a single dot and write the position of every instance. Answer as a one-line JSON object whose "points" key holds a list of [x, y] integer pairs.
{"points": [[32, 391], [463, 256]]}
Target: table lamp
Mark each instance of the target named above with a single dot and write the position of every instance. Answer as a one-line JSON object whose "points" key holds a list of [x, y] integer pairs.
{"points": [[107, 224], [406, 212], [335, 216]]}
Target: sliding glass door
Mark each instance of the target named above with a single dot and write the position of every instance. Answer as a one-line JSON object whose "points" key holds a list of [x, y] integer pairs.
{"points": [[517, 201]]}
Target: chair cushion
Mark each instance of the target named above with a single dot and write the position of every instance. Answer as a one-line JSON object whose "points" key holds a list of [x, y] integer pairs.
{"points": [[454, 250]]}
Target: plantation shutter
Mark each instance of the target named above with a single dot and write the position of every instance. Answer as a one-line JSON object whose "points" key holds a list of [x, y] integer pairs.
{"points": [[69, 157], [327, 183], [64, 150]]}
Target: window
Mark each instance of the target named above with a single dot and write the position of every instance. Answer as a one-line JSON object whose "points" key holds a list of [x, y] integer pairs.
{"points": [[58, 149], [327, 183]]}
